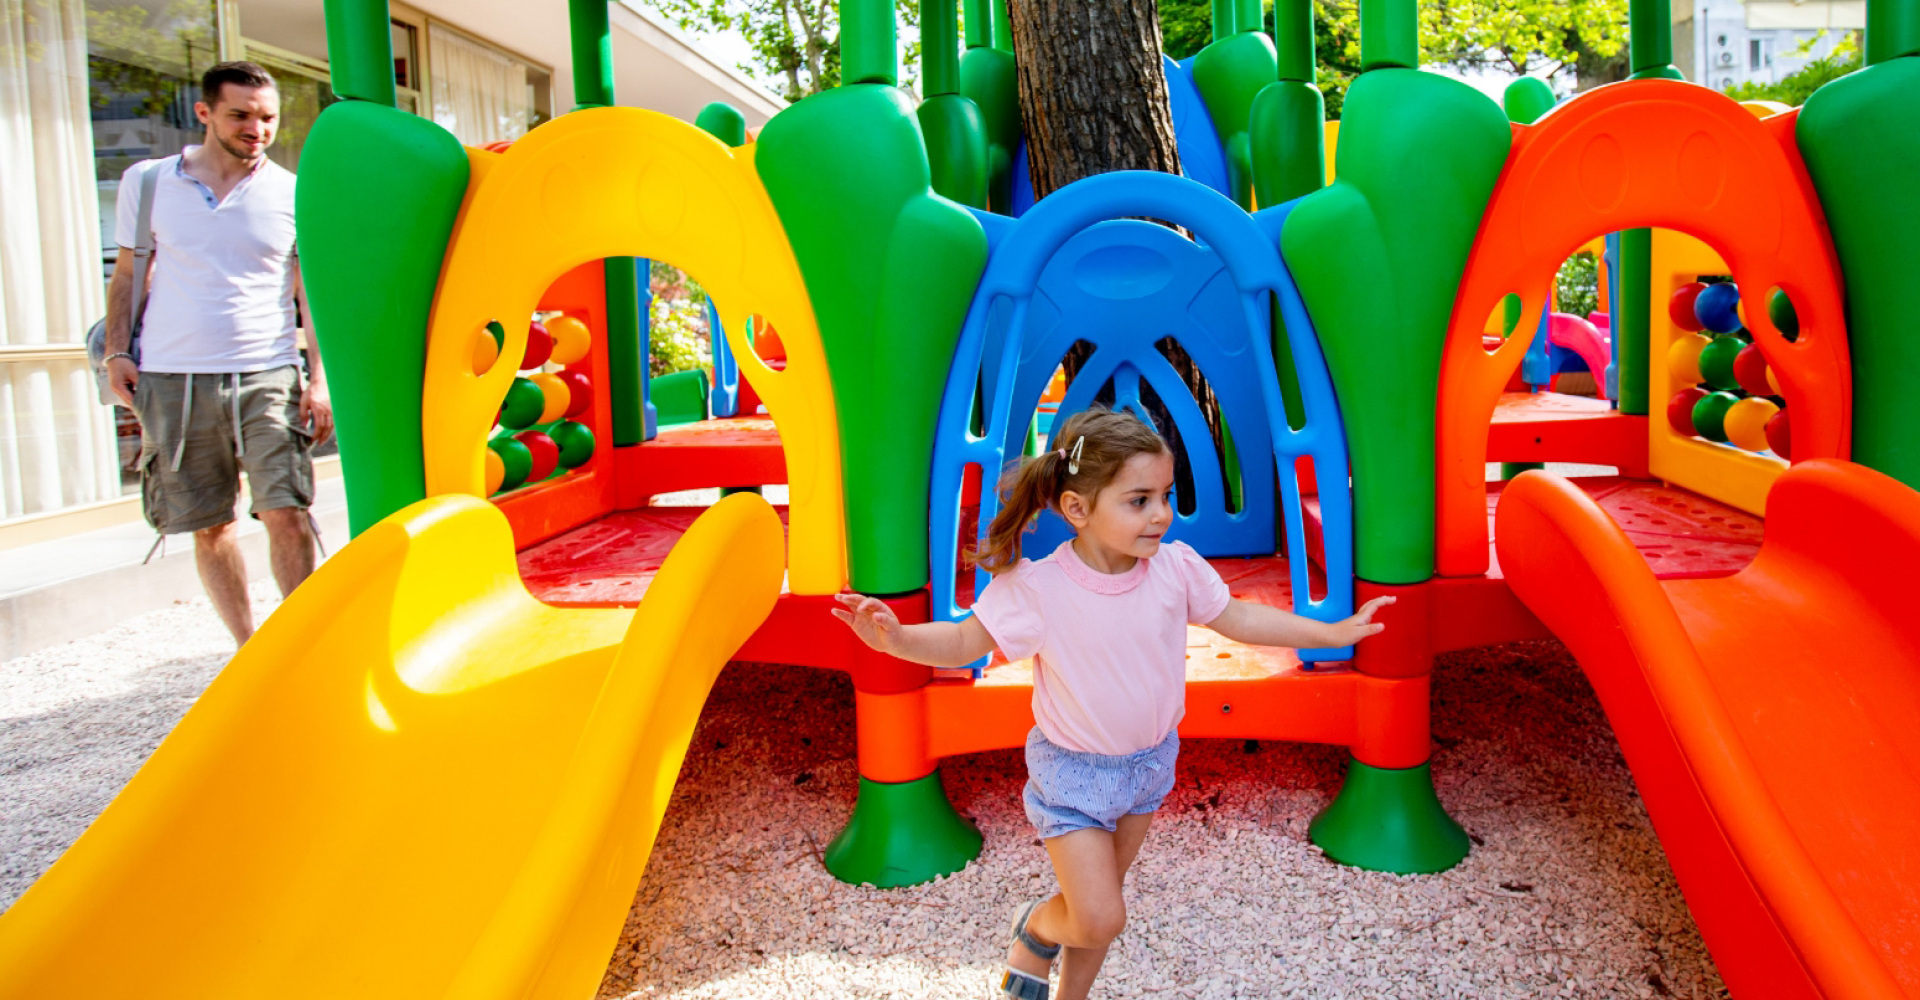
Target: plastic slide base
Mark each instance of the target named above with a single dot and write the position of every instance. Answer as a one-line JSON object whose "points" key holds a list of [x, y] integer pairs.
{"points": [[902, 833], [1389, 820]]}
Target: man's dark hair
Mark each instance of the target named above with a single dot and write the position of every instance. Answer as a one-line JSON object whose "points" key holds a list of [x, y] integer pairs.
{"points": [[245, 74]]}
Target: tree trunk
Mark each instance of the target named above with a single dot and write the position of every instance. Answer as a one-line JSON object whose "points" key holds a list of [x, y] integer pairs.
{"points": [[1093, 99], [1092, 94]]}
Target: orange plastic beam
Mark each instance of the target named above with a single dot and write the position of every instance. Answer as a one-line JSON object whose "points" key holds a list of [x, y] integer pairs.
{"points": [[1644, 153]]}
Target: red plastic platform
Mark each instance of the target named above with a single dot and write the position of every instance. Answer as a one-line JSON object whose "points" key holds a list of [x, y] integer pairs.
{"points": [[1549, 426]]}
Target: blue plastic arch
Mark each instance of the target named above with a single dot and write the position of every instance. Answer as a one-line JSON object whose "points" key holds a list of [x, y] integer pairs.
{"points": [[1247, 250], [1202, 156]]}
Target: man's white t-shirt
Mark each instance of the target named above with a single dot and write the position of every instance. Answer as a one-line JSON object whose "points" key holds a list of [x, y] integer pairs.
{"points": [[221, 292]]}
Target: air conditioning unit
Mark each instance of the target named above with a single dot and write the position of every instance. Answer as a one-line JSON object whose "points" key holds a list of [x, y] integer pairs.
{"points": [[1726, 58]]}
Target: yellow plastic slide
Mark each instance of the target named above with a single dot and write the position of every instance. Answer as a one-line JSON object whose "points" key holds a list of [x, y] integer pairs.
{"points": [[415, 781]]}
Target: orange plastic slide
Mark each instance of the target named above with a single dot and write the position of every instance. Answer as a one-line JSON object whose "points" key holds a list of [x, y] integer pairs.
{"points": [[1771, 718]]}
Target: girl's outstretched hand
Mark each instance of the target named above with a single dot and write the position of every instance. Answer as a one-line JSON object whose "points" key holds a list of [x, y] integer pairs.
{"points": [[1362, 624], [872, 620]]}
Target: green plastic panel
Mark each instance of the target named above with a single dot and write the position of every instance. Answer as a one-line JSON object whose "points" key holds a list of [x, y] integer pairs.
{"points": [[1861, 138], [956, 136], [988, 78], [1231, 73], [891, 268], [679, 397], [376, 200], [1378, 256]]}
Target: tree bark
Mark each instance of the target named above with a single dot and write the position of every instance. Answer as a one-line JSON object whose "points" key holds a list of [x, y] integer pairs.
{"points": [[1092, 92]]}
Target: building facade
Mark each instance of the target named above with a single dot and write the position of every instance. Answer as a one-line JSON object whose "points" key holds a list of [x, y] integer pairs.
{"points": [[1725, 43], [90, 87]]}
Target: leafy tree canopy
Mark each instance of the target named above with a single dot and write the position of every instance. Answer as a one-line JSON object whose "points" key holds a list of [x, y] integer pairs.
{"points": [[796, 42]]}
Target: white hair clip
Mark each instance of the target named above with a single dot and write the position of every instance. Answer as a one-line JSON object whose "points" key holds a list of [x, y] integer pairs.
{"points": [[1073, 459]]}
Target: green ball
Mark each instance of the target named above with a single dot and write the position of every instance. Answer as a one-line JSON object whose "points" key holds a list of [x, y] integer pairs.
{"points": [[517, 459], [1710, 415], [522, 405], [1716, 362], [576, 443], [1780, 310]]}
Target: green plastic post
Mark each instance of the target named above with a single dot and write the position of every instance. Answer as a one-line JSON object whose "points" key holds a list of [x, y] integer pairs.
{"points": [[867, 43], [1248, 16], [979, 18], [1378, 257], [1649, 34], [1288, 119], [592, 54], [360, 46], [989, 78], [1231, 73], [1002, 27], [1632, 329], [628, 291], [1389, 821], [1528, 99], [1389, 34], [940, 48], [1893, 30], [1225, 16], [1293, 39], [1860, 135], [378, 193], [902, 834], [724, 122]]}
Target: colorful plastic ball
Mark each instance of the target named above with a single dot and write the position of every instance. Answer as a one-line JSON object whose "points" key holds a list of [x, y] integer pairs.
{"points": [[522, 406], [515, 460], [539, 347], [1710, 415], [496, 472], [1780, 435], [486, 350], [1773, 382], [1680, 306], [1750, 370], [545, 454], [579, 393], [1716, 362], [1780, 310], [1680, 410], [1746, 422], [571, 339], [1718, 307], [575, 441], [1683, 357], [555, 395]]}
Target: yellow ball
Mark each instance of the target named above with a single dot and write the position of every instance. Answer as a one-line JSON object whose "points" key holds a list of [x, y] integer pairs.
{"points": [[1773, 382], [1746, 422], [557, 397], [496, 471], [485, 351], [571, 339], [1683, 358]]}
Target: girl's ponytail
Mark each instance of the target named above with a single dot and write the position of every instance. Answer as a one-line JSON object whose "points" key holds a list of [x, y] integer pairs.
{"points": [[1031, 487], [1098, 443]]}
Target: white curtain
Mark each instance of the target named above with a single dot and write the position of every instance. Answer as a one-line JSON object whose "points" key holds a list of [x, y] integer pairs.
{"points": [[57, 444], [479, 93]]}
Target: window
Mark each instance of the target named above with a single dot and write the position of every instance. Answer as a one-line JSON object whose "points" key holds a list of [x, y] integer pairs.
{"points": [[483, 94], [406, 65]]}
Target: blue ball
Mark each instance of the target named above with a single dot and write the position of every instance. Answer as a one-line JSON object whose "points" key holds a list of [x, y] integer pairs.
{"points": [[1717, 307]]}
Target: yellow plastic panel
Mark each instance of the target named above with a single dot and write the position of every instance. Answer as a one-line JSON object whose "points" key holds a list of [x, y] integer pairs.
{"points": [[415, 781], [621, 182], [1726, 474]]}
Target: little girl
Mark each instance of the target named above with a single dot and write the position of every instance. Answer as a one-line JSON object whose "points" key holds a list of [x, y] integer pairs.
{"points": [[1104, 617]]}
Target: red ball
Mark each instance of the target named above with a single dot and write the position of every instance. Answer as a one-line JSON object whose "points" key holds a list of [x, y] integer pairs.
{"points": [[1750, 370], [1680, 307], [1780, 435], [1680, 410], [546, 454], [579, 393], [539, 347]]}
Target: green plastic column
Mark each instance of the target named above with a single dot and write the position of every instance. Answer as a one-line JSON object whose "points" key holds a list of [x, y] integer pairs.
{"points": [[979, 18], [1893, 29], [629, 289], [900, 834], [955, 130], [592, 54], [939, 48], [1389, 34], [1632, 329], [1002, 27], [1389, 820], [360, 48], [990, 80], [868, 51], [1231, 73], [1650, 40], [1293, 39], [724, 122], [1225, 14]]}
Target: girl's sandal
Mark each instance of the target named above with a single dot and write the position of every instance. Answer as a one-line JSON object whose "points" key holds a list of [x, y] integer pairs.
{"points": [[1024, 985]]}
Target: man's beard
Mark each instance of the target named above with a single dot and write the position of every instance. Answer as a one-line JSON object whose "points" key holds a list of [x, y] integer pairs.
{"points": [[241, 153]]}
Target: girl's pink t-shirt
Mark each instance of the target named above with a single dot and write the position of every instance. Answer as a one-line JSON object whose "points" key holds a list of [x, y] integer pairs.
{"points": [[1109, 649]]}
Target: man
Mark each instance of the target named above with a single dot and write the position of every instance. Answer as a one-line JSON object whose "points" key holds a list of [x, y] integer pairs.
{"points": [[218, 387]]}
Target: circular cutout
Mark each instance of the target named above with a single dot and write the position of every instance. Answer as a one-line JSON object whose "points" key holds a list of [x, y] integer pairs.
{"points": [[1780, 310], [486, 347], [496, 472]]}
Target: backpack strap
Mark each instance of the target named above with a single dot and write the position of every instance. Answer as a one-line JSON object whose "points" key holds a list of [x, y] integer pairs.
{"points": [[143, 241]]}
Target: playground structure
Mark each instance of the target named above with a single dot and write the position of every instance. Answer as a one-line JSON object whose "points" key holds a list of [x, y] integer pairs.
{"points": [[1341, 328]]}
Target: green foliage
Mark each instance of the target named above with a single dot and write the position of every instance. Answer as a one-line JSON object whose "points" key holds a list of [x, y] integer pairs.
{"points": [[1794, 88], [677, 323], [1577, 288], [797, 42]]}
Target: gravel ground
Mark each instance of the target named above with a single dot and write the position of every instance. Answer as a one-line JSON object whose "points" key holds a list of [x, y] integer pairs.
{"points": [[1567, 892]]}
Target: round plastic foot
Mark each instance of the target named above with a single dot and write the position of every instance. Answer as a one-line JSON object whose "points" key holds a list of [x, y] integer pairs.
{"points": [[902, 834], [1389, 821]]}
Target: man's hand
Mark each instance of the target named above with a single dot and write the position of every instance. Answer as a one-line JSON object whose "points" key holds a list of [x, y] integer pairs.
{"points": [[316, 411], [872, 620], [122, 377]]}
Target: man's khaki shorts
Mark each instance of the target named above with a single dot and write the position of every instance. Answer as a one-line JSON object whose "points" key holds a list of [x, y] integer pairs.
{"points": [[199, 432]]}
